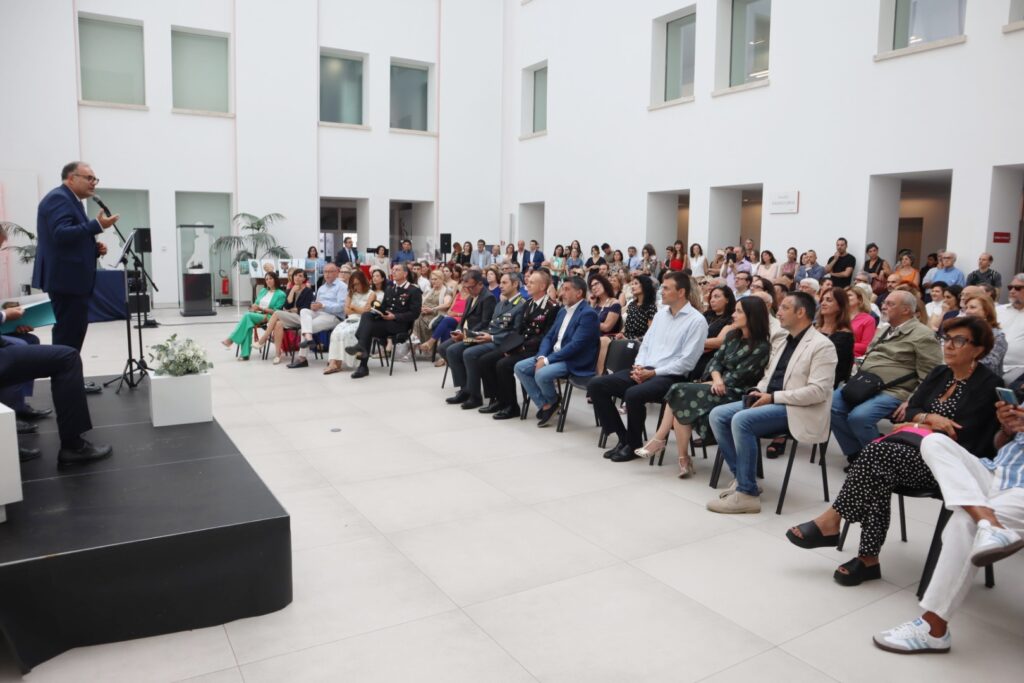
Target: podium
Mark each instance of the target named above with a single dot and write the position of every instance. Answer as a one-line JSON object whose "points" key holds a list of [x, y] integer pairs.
{"points": [[194, 257]]}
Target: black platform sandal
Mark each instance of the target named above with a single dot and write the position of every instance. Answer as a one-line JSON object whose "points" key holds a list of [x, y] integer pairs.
{"points": [[858, 573], [811, 537], [775, 449]]}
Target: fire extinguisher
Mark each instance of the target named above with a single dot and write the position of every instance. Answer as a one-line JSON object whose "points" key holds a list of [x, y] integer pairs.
{"points": [[223, 283]]}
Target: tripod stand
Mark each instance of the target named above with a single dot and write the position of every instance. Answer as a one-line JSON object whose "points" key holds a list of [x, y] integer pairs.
{"points": [[135, 370]]}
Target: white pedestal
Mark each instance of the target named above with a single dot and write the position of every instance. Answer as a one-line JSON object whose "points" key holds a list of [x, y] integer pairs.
{"points": [[10, 466], [180, 400]]}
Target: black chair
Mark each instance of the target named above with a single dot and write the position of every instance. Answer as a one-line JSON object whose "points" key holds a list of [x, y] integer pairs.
{"points": [[936, 545], [620, 356], [386, 358]]}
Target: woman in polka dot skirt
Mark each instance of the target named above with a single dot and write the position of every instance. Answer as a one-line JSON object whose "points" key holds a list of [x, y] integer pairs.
{"points": [[736, 367]]}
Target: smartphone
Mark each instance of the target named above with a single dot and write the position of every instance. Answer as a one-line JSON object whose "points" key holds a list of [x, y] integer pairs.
{"points": [[1007, 396], [731, 257]]}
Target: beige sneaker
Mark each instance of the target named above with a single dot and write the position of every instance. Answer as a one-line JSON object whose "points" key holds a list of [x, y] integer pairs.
{"points": [[735, 503], [731, 488]]}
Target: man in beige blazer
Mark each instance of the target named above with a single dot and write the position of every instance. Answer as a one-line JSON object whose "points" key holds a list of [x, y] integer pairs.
{"points": [[795, 394]]}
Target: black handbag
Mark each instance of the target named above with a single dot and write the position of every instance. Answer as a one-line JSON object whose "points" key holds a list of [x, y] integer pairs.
{"points": [[867, 385]]}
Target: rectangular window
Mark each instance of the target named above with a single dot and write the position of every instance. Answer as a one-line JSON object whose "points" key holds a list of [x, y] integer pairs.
{"points": [[199, 70], [341, 89], [409, 96], [540, 100], [110, 54], [751, 21], [925, 21], [680, 36]]}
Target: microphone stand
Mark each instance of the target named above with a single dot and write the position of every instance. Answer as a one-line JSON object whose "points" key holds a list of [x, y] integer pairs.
{"points": [[132, 366]]}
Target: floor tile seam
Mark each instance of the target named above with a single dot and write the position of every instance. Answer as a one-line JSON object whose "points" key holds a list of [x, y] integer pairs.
{"points": [[86, 472], [761, 654], [521, 591], [375, 478]]}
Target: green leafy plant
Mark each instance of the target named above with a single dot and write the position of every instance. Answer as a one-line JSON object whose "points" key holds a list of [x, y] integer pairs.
{"points": [[177, 358], [253, 240], [26, 252]]}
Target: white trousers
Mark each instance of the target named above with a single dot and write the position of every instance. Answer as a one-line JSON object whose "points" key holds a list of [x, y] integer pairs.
{"points": [[311, 322], [964, 481]]}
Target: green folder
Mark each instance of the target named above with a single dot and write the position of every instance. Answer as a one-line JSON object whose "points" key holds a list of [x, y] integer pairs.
{"points": [[38, 313]]}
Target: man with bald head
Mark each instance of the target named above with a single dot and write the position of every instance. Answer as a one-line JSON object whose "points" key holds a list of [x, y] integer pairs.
{"points": [[986, 275], [901, 355]]}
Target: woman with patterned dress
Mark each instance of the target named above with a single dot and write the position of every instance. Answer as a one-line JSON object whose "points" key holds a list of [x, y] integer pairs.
{"points": [[737, 366], [957, 399]]}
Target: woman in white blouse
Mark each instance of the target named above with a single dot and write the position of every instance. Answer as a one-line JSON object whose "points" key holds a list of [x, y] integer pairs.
{"points": [[360, 299]]}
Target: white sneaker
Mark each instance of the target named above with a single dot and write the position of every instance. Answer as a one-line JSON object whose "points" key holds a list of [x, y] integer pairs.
{"points": [[912, 638], [731, 488], [992, 544]]}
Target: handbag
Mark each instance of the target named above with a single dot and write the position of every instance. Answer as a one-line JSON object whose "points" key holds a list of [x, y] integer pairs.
{"points": [[867, 385]]}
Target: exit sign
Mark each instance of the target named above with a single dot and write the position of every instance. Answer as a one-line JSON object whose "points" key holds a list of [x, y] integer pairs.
{"points": [[1000, 238]]}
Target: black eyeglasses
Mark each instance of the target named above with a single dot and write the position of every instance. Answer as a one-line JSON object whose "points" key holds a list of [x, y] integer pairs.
{"points": [[1015, 287], [955, 342], [89, 178]]}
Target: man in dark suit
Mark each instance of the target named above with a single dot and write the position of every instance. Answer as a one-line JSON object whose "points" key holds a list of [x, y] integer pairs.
{"points": [[497, 368], [479, 310], [569, 348], [22, 363], [66, 252], [532, 259], [347, 254], [399, 310]]}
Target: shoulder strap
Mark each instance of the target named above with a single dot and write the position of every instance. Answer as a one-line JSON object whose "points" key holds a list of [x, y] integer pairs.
{"points": [[899, 380]]}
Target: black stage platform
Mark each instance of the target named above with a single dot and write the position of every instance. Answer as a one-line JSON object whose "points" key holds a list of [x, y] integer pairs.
{"points": [[174, 532]]}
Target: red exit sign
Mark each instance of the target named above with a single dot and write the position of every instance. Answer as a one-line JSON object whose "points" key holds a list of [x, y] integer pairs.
{"points": [[1000, 238]]}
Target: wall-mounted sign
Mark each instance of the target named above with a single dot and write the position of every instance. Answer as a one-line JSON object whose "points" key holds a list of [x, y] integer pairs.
{"points": [[1000, 238], [784, 202]]}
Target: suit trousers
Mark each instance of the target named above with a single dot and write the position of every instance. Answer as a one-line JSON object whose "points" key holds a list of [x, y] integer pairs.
{"points": [[14, 396], [371, 326], [497, 373], [72, 314], [63, 365], [603, 390], [463, 360]]}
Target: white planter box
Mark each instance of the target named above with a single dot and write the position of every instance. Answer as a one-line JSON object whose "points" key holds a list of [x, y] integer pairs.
{"points": [[10, 466], [180, 400]]}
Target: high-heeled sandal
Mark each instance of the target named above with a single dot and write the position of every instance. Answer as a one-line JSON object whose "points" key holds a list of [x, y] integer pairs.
{"points": [[651, 449], [259, 343], [688, 469]]}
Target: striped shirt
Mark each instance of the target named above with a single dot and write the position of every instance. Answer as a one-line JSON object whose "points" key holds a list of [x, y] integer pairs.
{"points": [[1010, 459]]}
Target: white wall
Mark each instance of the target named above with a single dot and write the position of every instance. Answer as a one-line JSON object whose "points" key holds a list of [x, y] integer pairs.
{"points": [[830, 118]]}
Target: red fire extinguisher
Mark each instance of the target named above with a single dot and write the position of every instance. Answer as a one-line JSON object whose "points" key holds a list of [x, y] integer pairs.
{"points": [[223, 283]]}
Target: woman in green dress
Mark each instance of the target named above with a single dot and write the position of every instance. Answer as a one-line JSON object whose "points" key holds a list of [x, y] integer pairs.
{"points": [[736, 367], [270, 299]]}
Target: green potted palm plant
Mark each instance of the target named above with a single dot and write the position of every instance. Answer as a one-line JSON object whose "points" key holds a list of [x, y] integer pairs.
{"points": [[253, 241]]}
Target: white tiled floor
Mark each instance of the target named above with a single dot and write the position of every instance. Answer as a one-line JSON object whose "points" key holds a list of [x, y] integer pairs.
{"points": [[434, 545]]}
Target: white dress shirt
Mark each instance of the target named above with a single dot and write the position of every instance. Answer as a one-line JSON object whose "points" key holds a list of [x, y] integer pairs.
{"points": [[569, 310], [674, 343]]}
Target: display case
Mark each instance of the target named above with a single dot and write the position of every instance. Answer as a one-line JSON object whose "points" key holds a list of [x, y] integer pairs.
{"points": [[195, 296]]}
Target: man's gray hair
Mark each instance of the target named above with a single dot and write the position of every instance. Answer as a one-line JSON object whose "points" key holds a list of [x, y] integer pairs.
{"points": [[514, 277]]}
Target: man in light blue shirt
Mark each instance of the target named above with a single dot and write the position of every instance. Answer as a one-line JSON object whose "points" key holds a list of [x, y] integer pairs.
{"points": [[323, 314], [946, 272], [668, 353], [481, 257], [633, 262], [405, 254], [811, 269]]}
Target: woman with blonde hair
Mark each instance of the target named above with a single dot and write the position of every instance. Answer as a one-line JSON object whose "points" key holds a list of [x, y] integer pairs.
{"points": [[981, 306], [435, 302]]}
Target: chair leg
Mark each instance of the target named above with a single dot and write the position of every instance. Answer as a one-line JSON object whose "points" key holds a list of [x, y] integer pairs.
{"points": [[760, 465], [524, 413], [824, 475], [814, 451], [842, 535], [661, 458], [903, 520], [716, 470], [933, 552], [412, 352], [990, 576], [391, 357], [444, 379], [564, 408], [785, 479]]}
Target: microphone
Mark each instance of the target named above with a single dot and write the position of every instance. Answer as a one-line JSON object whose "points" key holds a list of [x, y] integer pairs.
{"points": [[103, 206]]}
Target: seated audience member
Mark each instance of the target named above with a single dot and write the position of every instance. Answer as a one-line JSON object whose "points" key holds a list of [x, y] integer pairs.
{"points": [[21, 363], [892, 281], [639, 313], [980, 306], [833, 321], [595, 260], [767, 267], [454, 278], [299, 298], [918, 303], [946, 272], [934, 308], [950, 306], [479, 309], [742, 288], [397, 313], [323, 314], [492, 276], [986, 497], [465, 259], [15, 396], [721, 306], [436, 301], [956, 399], [463, 357], [862, 322], [901, 356], [609, 310], [810, 287], [497, 367], [569, 348], [905, 269], [811, 268], [268, 300], [380, 259], [359, 301], [424, 276], [794, 395], [668, 353], [443, 329], [1011, 321], [735, 368]]}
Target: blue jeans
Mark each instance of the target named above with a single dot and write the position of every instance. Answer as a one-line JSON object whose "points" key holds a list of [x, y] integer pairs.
{"points": [[540, 384], [857, 427], [737, 430]]}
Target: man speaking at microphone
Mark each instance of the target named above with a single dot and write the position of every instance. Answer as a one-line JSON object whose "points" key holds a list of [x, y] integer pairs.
{"points": [[66, 253]]}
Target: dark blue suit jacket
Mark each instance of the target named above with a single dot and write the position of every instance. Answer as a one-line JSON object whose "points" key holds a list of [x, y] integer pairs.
{"points": [[66, 245], [579, 344], [342, 257], [538, 258]]}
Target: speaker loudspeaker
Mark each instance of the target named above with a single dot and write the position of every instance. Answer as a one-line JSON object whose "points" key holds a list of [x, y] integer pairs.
{"points": [[446, 243]]}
